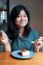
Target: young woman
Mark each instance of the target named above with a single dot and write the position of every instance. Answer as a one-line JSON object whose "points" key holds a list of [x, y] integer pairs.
{"points": [[19, 31]]}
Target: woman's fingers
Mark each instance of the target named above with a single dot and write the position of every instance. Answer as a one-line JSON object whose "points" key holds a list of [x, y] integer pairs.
{"points": [[4, 35], [37, 44], [4, 38]]}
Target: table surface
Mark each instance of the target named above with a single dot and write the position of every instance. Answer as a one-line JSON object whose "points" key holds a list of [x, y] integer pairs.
{"points": [[7, 59]]}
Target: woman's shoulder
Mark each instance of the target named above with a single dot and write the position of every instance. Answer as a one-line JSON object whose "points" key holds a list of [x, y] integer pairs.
{"points": [[35, 31]]}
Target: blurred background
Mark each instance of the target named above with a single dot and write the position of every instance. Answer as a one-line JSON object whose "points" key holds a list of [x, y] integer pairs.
{"points": [[35, 8]]}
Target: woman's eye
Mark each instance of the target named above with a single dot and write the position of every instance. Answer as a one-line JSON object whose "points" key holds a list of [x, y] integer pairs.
{"points": [[24, 15], [21, 16]]}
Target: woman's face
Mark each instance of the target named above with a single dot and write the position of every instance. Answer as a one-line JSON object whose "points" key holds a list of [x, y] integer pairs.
{"points": [[22, 19]]}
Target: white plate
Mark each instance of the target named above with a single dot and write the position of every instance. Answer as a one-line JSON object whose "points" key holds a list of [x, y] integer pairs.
{"points": [[16, 55]]}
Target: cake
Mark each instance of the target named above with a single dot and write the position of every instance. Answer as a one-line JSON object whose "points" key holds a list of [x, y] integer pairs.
{"points": [[23, 52]]}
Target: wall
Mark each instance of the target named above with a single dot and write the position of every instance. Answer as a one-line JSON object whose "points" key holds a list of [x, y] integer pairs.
{"points": [[35, 8]]}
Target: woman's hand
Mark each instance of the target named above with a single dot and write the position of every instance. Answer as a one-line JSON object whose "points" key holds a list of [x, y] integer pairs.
{"points": [[38, 44], [4, 38]]}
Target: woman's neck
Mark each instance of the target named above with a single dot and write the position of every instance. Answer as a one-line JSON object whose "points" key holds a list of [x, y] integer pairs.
{"points": [[21, 31]]}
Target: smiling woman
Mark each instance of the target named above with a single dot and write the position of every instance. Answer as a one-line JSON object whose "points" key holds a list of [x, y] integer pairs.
{"points": [[19, 31]]}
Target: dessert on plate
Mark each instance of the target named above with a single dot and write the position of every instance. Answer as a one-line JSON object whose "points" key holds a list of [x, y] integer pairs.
{"points": [[23, 52]]}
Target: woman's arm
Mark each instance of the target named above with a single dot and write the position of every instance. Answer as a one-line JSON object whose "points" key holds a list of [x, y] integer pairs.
{"points": [[36, 48], [5, 41], [7, 47]]}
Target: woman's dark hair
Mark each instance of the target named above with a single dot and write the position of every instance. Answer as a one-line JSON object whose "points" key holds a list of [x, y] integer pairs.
{"points": [[12, 28]]}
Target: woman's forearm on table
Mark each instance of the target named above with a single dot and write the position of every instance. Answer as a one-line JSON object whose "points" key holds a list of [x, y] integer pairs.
{"points": [[7, 47]]}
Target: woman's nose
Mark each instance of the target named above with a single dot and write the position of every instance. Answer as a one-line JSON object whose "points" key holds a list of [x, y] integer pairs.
{"points": [[22, 18]]}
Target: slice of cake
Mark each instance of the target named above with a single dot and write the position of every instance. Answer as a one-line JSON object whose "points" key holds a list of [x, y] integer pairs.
{"points": [[23, 52]]}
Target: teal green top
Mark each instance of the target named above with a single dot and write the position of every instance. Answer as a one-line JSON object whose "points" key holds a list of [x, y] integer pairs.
{"points": [[26, 42]]}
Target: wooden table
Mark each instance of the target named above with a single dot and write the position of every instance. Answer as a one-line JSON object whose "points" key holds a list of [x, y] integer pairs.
{"points": [[7, 59]]}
